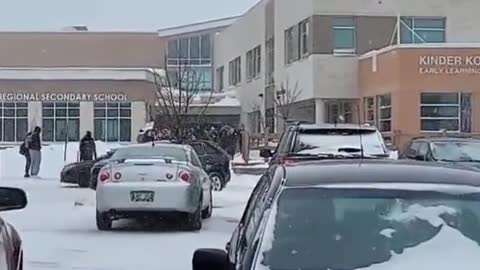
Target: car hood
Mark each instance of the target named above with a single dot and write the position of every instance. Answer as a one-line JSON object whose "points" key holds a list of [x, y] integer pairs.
{"points": [[474, 165]]}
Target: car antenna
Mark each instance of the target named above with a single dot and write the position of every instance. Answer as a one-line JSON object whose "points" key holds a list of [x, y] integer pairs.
{"points": [[362, 156]]}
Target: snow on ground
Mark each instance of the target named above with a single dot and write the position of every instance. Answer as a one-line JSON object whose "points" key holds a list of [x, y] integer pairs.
{"points": [[59, 232], [12, 164]]}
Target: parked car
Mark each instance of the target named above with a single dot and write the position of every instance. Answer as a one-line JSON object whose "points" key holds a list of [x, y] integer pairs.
{"points": [[79, 172], [216, 161], [382, 214], [147, 180], [462, 151], [11, 251], [95, 170], [304, 142]]}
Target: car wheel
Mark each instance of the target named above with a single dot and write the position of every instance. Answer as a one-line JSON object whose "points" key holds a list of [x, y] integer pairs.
{"points": [[194, 220], [217, 181], [84, 180], [207, 213], [104, 222]]}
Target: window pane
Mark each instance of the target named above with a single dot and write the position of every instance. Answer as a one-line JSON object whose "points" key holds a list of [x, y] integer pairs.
{"points": [[1, 130], [47, 105], [466, 115], [74, 104], [47, 130], [99, 129], [206, 49], [405, 35], [112, 113], [125, 105], [125, 113], [60, 130], [125, 130], [430, 36], [99, 112], [435, 111], [61, 112], [344, 38], [22, 112], [73, 112], [9, 130], [172, 49], [100, 104], [9, 105], [73, 129], [384, 100], [22, 105], [385, 113], [61, 104], [22, 129], [112, 130], [183, 48], [195, 47], [9, 112], [430, 23], [112, 105], [385, 126], [437, 125], [437, 98]]}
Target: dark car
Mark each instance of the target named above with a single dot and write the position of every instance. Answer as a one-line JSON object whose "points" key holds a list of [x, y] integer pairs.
{"points": [[300, 142], [347, 214], [11, 251], [216, 162], [462, 151], [95, 170], [80, 172]]}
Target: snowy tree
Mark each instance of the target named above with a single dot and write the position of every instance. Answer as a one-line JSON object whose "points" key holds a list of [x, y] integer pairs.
{"points": [[286, 96]]}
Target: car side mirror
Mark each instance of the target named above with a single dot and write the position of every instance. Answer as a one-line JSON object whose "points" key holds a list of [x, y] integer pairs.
{"points": [[265, 153], [210, 259], [12, 199]]}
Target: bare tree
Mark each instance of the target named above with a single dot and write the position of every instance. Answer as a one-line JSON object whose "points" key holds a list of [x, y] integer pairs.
{"points": [[286, 96], [180, 99]]}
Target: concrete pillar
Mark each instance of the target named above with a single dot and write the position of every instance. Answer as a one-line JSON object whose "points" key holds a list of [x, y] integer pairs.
{"points": [[86, 117], [319, 111], [34, 114], [139, 118]]}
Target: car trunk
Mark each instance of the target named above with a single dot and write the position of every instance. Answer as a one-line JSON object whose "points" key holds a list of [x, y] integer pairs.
{"points": [[141, 170]]}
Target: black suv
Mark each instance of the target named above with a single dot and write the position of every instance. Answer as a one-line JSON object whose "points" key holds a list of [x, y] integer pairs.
{"points": [[301, 141], [451, 148], [350, 215], [216, 162]]}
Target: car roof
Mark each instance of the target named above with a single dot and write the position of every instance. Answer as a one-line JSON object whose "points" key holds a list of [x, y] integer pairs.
{"points": [[379, 171], [336, 126], [445, 139], [157, 143]]}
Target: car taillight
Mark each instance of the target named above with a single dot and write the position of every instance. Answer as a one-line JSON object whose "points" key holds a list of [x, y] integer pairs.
{"points": [[104, 176], [185, 176]]}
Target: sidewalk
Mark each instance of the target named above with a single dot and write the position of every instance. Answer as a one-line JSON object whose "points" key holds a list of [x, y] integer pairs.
{"points": [[255, 166]]}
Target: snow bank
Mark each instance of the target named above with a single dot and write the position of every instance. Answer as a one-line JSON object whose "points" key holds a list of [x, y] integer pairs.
{"points": [[12, 164]]}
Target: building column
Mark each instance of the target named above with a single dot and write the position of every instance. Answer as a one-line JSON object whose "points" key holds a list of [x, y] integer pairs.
{"points": [[139, 118], [86, 118], [319, 111], [34, 114]]}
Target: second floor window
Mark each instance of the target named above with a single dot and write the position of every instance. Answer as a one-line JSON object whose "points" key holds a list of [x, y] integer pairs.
{"points": [[344, 35], [384, 108], [422, 30], [235, 71], [303, 38], [254, 58], [191, 51]]}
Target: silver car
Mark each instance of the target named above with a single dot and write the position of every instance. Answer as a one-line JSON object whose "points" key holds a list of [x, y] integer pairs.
{"points": [[145, 179]]}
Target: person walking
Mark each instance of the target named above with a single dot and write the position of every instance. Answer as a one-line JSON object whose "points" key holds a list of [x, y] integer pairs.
{"points": [[88, 149], [34, 145], [26, 153]]}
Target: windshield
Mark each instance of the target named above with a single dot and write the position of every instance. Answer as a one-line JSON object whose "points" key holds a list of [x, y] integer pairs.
{"points": [[456, 151], [320, 229], [151, 152], [339, 141]]}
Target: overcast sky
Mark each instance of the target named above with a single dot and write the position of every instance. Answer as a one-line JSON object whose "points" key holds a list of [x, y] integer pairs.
{"points": [[146, 15]]}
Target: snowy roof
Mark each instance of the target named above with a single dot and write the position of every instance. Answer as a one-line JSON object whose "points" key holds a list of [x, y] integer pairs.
{"points": [[197, 27], [420, 46]]}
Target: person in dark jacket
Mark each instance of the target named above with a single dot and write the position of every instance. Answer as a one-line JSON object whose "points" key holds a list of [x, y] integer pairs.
{"points": [[26, 153], [88, 149], [34, 145]]}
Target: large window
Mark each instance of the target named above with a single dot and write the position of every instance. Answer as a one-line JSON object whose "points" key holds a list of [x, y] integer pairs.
{"points": [[269, 61], [113, 122], [61, 119], [297, 41], [369, 109], [450, 111], [13, 121], [219, 78], [235, 71], [191, 77], [254, 58], [422, 30], [195, 50], [303, 37], [384, 113], [344, 35], [290, 49]]}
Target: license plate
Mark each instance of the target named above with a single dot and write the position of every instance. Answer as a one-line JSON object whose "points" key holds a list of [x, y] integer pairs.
{"points": [[142, 196]]}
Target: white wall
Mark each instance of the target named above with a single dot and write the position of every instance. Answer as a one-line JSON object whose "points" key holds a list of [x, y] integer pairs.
{"points": [[335, 76], [86, 118], [139, 118], [245, 34], [34, 114]]}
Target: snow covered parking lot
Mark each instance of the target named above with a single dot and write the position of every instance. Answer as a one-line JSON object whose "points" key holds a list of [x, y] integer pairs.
{"points": [[59, 232]]}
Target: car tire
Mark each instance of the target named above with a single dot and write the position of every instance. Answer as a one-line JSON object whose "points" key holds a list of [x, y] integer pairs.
{"points": [[194, 220], [207, 213], [84, 180], [104, 222], [218, 183]]}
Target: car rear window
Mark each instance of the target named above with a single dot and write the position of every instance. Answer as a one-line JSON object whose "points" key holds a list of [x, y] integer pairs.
{"points": [[314, 141], [151, 152]]}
